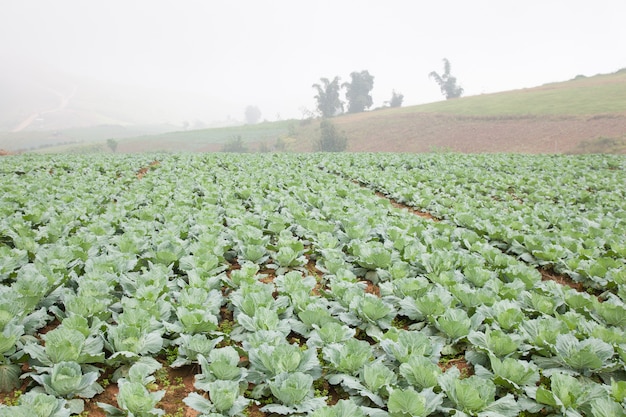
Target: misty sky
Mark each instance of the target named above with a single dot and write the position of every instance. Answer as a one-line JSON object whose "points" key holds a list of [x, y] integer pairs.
{"points": [[269, 53]]}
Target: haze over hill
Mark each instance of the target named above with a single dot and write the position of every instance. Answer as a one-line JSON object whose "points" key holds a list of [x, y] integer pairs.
{"points": [[586, 114], [42, 99]]}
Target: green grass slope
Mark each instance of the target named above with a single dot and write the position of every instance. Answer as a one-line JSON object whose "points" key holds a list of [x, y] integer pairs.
{"points": [[581, 96]]}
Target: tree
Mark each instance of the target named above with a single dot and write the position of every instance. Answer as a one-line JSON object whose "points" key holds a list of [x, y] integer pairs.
{"points": [[358, 91], [447, 83], [328, 102], [112, 144], [396, 99], [252, 114], [330, 140]]}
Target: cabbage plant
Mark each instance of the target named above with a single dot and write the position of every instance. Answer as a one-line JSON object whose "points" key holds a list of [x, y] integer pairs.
{"points": [[348, 357], [328, 333], [374, 382], [294, 392], [585, 356], [10, 351], [66, 380], [65, 344], [37, 404], [513, 373], [496, 342], [267, 361], [475, 396], [433, 303], [568, 395], [456, 324], [420, 372], [221, 364], [224, 399], [133, 398], [190, 347], [402, 345]]}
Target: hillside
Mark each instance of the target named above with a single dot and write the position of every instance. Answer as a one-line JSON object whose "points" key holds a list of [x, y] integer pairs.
{"points": [[587, 114], [41, 107], [583, 115]]}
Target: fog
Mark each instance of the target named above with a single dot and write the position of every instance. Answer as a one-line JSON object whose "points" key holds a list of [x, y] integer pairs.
{"points": [[205, 60]]}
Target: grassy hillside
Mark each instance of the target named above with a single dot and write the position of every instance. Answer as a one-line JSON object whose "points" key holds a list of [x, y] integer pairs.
{"points": [[580, 96], [583, 115], [586, 114]]}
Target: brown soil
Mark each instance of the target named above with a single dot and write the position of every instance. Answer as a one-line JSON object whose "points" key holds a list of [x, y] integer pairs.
{"points": [[253, 411], [311, 267], [109, 396], [548, 274], [178, 384], [466, 368], [181, 384], [372, 288], [413, 210], [143, 171], [428, 132]]}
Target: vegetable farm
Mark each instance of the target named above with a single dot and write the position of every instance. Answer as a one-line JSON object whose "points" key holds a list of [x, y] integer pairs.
{"points": [[384, 285]]}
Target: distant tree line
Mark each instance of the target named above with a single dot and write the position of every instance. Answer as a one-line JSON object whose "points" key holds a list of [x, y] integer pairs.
{"points": [[358, 91], [358, 94]]}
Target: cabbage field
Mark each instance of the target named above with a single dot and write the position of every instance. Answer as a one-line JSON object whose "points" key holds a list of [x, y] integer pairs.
{"points": [[326, 285]]}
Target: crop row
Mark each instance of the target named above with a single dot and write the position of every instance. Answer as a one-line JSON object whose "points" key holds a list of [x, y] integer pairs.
{"points": [[563, 212], [280, 281]]}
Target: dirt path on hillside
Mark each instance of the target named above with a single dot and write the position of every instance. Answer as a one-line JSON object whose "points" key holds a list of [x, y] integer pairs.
{"points": [[64, 99]]}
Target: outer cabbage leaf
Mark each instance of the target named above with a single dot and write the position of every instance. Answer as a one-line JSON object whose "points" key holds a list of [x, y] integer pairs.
{"points": [[410, 403], [343, 408], [10, 376], [567, 394], [11, 333], [606, 407], [515, 372], [37, 404], [475, 395]]}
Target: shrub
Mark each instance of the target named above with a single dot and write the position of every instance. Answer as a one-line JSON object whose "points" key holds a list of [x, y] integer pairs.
{"points": [[330, 140]]}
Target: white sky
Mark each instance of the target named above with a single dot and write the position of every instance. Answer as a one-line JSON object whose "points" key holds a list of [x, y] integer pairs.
{"points": [[269, 53]]}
